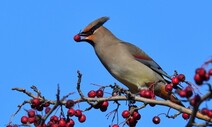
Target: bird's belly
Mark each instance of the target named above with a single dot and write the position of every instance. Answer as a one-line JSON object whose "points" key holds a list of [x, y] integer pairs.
{"points": [[133, 75]]}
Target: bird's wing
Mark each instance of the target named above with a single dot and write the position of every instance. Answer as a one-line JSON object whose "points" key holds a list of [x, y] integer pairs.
{"points": [[142, 57]]}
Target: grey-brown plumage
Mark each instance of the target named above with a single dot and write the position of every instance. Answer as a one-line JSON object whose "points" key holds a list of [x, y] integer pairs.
{"points": [[124, 61]]}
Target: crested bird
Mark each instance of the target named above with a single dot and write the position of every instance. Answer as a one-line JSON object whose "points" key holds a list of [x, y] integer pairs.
{"points": [[126, 62]]}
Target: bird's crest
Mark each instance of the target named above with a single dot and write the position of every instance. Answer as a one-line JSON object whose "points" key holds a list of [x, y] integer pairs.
{"points": [[93, 26]]}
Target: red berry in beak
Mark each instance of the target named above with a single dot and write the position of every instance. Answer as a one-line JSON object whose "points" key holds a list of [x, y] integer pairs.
{"points": [[77, 38]]}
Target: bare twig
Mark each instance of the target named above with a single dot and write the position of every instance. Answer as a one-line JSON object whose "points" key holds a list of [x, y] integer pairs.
{"points": [[172, 116], [79, 90], [25, 92], [36, 90], [66, 96], [54, 107]]}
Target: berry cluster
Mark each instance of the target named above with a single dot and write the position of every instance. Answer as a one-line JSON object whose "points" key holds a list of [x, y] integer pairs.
{"points": [[201, 75], [175, 81], [103, 105], [206, 111], [33, 116], [131, 118], [41, 110], [147, 93]]}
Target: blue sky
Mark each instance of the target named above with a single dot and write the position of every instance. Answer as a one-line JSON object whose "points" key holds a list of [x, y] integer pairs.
{"points": [[37, 46]]}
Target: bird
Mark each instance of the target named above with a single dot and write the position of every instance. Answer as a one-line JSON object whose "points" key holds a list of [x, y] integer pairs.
{"points": [[126, 62]]}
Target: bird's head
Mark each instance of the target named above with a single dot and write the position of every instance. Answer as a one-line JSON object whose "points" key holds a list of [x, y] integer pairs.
{"points": [[89, 32]]}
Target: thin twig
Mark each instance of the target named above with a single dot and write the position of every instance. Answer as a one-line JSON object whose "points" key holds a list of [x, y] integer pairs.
{"points": [[36, 90], [25, 92], [172, 116], [54, 107]]}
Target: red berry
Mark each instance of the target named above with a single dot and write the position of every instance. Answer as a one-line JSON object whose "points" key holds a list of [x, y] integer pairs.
{"points": [[103, 109], [201, 72], [69, 103], [105, 104], [35, 102], [142, 93], [168, 87], [115, 125], [47, 109], [205, 111], [50, 123], [46, 104], [77, 38], [206, 77], [24, 119], [99, 93], [185, 116], [82, 118], [125, 114], [62, 123], [70, 123], [92, 94], [182, 93], [175, 81], [210, 72], [136, 115], [31, 119], [131, 121], [181, 77], [78, 113], [189, 91], [198, 79], [54, 119], [31, 113], [148, 94], [71, 112], [210, 113], [156, 120], [54, 125], [195, 100]]}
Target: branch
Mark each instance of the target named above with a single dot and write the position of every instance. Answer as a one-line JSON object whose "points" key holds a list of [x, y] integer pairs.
{"points": [[195, 109], [121, 95], [25, 92], [149, 101]]}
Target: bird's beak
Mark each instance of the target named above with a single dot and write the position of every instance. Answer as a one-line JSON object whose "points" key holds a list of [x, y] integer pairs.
{"points": [[81, 37]]}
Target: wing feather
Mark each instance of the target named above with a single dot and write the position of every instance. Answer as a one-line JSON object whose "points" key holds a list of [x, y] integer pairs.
{"points": [[142, 57]]}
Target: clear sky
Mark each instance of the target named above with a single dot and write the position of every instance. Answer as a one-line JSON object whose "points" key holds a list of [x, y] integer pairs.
{"points": [[37, 46]]}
